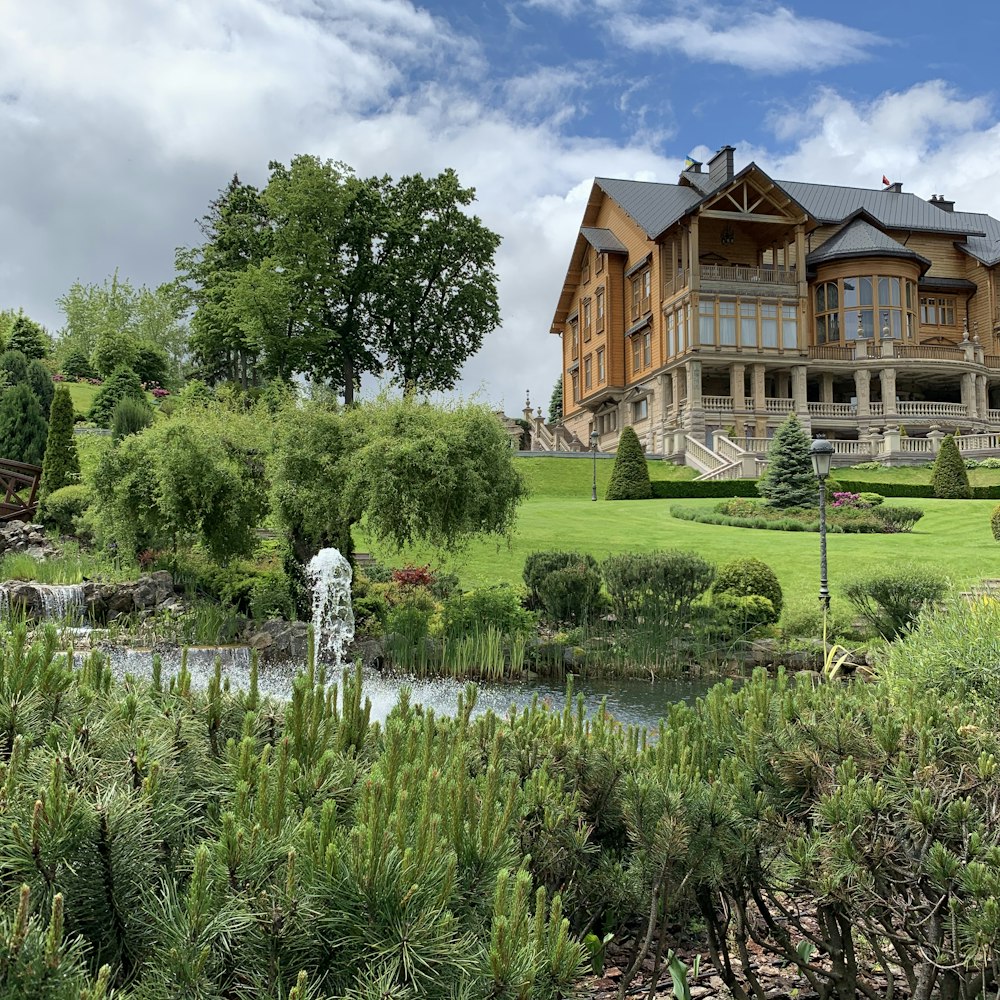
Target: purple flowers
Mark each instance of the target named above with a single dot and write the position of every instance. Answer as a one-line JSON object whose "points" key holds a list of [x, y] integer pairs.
{"points": [[846, 499]]}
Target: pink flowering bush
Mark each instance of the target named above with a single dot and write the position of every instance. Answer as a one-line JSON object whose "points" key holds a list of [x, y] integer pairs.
{"points": [[847, 499]]}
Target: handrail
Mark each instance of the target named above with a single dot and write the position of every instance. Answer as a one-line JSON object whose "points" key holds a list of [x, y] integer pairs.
{"points": [[703, 457], [19, 482]]}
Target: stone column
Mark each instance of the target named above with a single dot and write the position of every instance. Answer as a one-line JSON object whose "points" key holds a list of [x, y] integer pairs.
{"points": [[982, 399], [887, 376], [759, 406], [862, 389], [826, 387], [738, 385], [695, 412], [781, 380], [935, 435], [799, 403], [676, 379], [969, 394]]}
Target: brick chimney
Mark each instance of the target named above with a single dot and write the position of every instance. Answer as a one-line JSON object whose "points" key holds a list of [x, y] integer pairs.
{"points": [[720, 167]]}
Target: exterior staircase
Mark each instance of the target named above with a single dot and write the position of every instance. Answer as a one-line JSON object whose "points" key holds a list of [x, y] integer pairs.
{"points": [[727, 460]]}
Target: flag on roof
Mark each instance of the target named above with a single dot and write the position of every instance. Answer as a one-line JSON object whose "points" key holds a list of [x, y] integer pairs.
{"points": [[886, 181], [690, 161]]}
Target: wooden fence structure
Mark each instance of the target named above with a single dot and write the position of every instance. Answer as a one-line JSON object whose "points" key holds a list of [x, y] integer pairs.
{"points": [[19, 483]]}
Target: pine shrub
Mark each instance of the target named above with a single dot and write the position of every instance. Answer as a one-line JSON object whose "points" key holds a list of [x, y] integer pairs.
{"points": [[130, 416], [749, 577], [62, 462], [630, 476], [23, 428], [950, 478], [789, 480], [891, 599], [538, 565], [995, 522], [571, 595], [122, 382], [656, 588]]}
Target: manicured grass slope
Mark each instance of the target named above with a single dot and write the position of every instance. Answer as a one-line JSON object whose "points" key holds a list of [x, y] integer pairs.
{"points": [[82, 394], [954, 536], [573, 477]]}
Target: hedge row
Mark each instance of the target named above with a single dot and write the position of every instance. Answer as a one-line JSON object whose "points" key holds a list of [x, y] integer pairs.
{"points": [[912, 489], [722, 488], [689, 489]]}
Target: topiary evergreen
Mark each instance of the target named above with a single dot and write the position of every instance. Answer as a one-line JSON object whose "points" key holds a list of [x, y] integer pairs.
{"points": [[41, 384], [62, 463], [27, 337], [123, 382], [949, 478], [630, 476], [23, 428], [789, 480], [130, 417]]}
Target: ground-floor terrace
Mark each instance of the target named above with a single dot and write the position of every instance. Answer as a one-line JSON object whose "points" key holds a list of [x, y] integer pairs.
{"points": [[852, 400]]}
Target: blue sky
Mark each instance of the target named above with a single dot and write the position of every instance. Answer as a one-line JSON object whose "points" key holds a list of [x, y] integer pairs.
{"points": [[120, 119]]}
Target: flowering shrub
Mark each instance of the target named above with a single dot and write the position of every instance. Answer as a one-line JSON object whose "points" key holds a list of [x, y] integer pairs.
{"points": [[160, 392], [846, 499], [56, 377], [413, 576]]}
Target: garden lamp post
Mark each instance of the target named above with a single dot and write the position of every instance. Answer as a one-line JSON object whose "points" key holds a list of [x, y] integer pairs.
{"points": [[594, 437], [821, 454]]}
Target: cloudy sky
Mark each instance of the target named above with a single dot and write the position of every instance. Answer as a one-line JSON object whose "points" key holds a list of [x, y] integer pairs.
{"points": [[121, 119]]}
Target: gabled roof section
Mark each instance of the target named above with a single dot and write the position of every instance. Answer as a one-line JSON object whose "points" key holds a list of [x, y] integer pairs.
{"points": [[603, 240], [749, 190], [890, 209], [985, 248], [859, 238], [653, 207]]}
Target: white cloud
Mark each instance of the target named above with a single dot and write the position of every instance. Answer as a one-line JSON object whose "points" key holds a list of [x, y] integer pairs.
{"points": [[772, 41]]}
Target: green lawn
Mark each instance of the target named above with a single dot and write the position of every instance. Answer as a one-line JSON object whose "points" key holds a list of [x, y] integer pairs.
{"points": [[82, 394], [912, 474], [954, 536]]}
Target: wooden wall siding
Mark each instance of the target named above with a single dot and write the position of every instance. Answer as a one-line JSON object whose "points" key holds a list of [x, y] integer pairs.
{"points": [[947, 261]]}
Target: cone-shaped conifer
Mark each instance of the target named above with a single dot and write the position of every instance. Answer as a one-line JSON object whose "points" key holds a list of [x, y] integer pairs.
{"points": [[62, 462], [630, 476], [23, 428], [950, 480]]}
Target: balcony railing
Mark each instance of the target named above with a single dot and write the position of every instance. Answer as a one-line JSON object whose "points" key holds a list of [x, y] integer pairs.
{"points": [[741, 275], [919, 446], [992, 360], [911, 408], [776, 405], [715, 403], [833, 409], [930, 353], [828, 352]]}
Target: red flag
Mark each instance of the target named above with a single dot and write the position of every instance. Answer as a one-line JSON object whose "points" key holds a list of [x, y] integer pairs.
{"points": [[886, 181]]}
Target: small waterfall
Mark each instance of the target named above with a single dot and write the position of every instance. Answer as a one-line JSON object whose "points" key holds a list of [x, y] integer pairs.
{"points": [[59, 601], [329, 574]]}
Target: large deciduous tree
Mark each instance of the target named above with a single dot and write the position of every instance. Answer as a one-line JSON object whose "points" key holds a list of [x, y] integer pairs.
{"points": [[435, 295], [226, 338], [333, 276]]}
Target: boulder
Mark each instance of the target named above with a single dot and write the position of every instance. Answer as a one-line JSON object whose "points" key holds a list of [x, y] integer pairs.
{"points": [[278, 640]]}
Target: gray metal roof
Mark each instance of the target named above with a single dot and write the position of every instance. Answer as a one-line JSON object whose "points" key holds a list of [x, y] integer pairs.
{"points": [[894, 210], [603, 240], [861, 239], [984, 248], [654, 207]]}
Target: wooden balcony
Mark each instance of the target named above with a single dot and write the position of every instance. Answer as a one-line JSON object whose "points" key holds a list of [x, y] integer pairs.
{"points": [[768, 280]]}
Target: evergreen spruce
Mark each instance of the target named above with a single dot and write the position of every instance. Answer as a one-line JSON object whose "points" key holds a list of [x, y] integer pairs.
{"points": [[789, 480], [950, 478], [77, 365], [27, 337], [13, 368], [23, 428], [122, 382], [556, 402], [630, 476], [40, 382], [62, 463]]}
